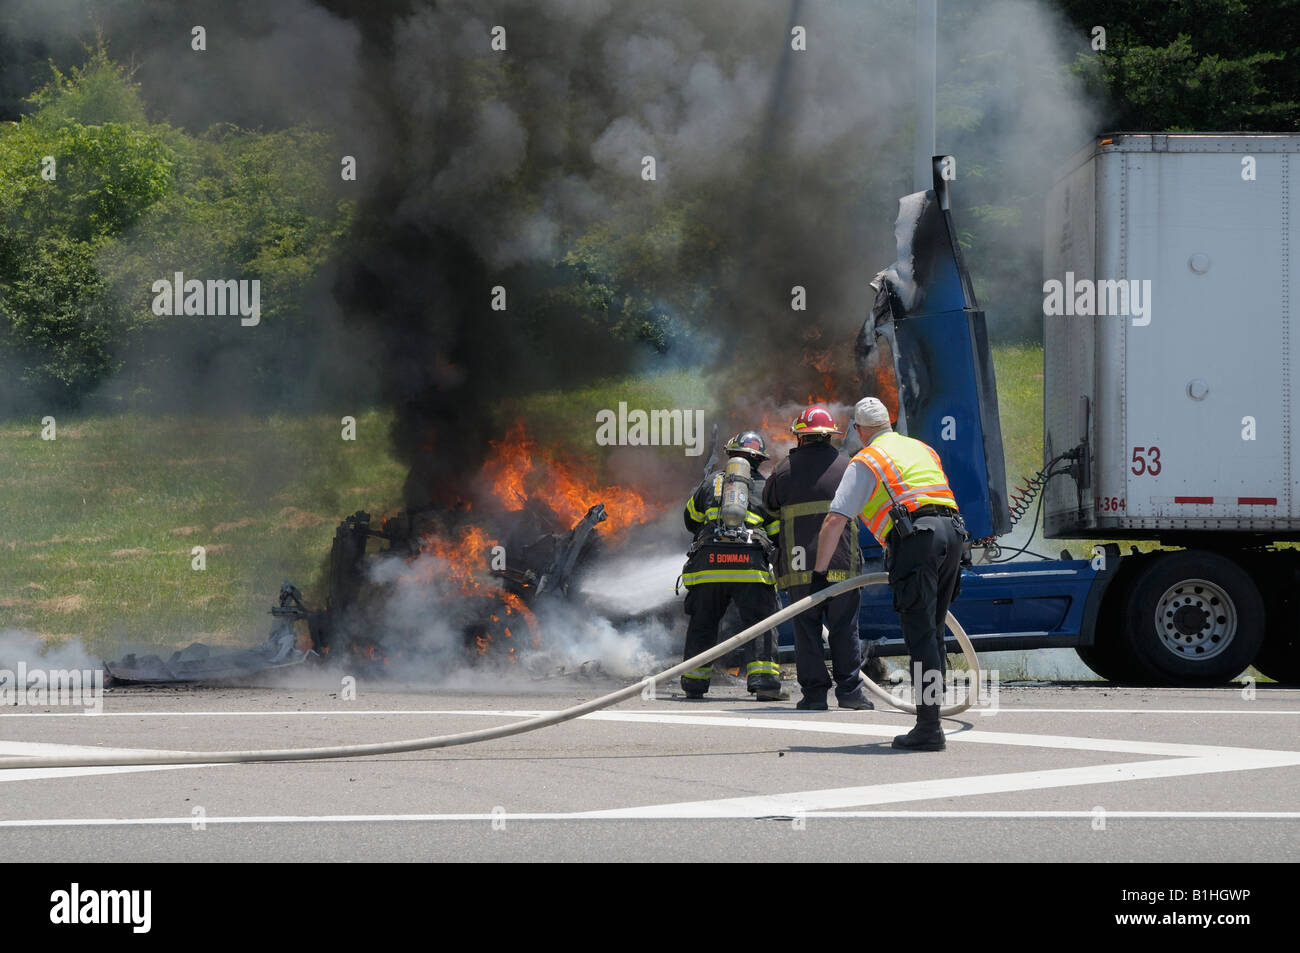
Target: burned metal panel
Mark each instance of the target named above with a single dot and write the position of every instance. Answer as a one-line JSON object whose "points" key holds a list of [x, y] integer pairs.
{"points": [[947, 392]]}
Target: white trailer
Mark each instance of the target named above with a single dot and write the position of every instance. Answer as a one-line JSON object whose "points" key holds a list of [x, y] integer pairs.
{"points": [[1169, 336]]}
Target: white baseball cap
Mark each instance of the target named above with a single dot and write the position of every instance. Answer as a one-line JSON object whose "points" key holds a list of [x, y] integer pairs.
{"points": [[870, 412]]}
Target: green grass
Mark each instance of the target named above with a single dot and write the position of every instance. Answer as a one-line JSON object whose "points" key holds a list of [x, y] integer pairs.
{"points": [[97, 526], [99, 523], [1019, 371]]}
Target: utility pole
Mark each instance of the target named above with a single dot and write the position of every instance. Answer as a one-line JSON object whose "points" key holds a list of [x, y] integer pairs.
{"points": [[927, 19]]}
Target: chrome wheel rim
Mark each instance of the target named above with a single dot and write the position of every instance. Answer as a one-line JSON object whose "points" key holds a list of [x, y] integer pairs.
{"points": [[1196, 619]]}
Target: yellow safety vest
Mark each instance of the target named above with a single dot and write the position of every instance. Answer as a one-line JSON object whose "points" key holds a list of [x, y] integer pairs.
{"points": [[913, 474]]}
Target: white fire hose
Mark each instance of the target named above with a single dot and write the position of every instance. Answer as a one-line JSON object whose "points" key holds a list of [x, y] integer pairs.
{"points": [[644, 687]]}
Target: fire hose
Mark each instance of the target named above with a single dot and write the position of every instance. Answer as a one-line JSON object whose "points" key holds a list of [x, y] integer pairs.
{"points": [[644, 687]]}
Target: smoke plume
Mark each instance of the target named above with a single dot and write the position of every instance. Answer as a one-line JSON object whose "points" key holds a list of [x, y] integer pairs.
{"points": [[513, 161]]}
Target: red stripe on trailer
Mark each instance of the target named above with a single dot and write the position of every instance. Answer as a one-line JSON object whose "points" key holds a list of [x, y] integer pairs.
{"points": [[1257, 500], [1193, 499]]}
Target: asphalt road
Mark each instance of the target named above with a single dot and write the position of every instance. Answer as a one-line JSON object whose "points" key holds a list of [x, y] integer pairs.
{"points": [[1078, 772]]}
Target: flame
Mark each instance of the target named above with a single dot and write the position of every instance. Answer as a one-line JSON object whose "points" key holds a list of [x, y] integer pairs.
{"points": [[776, 433], [519, 470], [515, 606], [465, 560], [882, 383], [823, 362]]}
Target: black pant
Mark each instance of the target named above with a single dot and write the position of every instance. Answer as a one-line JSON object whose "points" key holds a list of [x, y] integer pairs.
{"points": [[707, 603], [840, 615], [925, 575]]}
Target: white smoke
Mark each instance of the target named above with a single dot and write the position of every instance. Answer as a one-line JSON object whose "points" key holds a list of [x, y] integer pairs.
{"points": [[30, 649], [603, 630], [633, 584]]}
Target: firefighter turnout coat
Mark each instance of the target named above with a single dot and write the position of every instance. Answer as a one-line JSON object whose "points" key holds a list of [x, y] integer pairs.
{"points": [[799, 492], [715, 558]]}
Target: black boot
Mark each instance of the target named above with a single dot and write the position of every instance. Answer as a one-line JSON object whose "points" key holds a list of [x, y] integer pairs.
{"points": [[927, 735], [766, 688], [855, 701]]}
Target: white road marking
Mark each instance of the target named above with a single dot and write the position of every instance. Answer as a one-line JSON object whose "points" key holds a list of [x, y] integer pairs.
{"points": [[974, 736], [928, 790], [33, 749], [188, 821], [1175, 760]]}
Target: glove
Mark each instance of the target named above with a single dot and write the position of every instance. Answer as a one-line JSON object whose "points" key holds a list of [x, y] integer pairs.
{"points": [[819, 582]]}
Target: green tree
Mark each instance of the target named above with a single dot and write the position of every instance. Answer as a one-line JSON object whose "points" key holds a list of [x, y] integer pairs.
{"points": [[1193, 65], [130, 201], [76, 173]]}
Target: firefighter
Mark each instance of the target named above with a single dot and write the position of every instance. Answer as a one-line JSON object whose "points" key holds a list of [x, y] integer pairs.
{"points": [[730, 561], [799, 492], [897, 486]]}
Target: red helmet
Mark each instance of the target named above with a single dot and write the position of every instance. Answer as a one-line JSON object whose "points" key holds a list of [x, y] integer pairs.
{"points": [[814, 419]]}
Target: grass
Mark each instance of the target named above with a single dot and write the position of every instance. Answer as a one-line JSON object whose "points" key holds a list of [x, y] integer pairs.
{"points": [[1019, 371], [99, 523]]}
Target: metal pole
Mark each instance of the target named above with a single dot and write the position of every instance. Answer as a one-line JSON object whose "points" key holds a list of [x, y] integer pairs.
{"points": [[927, 18]]}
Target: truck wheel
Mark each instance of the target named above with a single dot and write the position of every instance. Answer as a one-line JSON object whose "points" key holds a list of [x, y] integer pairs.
{"points": [[1102, 662], [1193, 618], [1109, 655]]}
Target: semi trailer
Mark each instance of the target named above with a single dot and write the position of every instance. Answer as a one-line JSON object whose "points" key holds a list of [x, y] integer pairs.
{"points": [[1168, 401]]}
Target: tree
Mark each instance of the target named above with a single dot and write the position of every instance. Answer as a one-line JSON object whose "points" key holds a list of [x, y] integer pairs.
{"points": [[97, 203], [1188, 65], [78, 172]]}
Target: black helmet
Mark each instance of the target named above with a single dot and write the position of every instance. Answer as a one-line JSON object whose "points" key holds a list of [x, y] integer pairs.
{"points": [[747, 444]]}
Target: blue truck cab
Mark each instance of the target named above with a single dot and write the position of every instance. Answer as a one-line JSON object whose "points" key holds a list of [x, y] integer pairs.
{"points": [[926, 340]]}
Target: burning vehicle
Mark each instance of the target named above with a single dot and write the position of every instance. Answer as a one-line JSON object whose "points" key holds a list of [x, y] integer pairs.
{"points": [[481, 569]]}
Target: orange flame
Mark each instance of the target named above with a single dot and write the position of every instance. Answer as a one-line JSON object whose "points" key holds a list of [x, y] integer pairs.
{"points": [[519, 470], [465, 560], [823, 362], [881, 379]]}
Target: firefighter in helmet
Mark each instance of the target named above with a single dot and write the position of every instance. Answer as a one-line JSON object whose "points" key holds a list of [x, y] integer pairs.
{"points": [[799, 492], [730, 561]]}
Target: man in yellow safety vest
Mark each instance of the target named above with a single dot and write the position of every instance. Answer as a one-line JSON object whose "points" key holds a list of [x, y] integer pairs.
{"points": [[897, 487]]}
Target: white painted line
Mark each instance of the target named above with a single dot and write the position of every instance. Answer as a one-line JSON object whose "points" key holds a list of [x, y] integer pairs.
{"points": [[853, 727], [189, 821], [973, 736], [927, 790], [33, 749]]}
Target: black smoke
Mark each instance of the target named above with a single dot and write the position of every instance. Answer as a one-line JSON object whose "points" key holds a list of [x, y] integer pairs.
{"points": [[480, 168]]}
